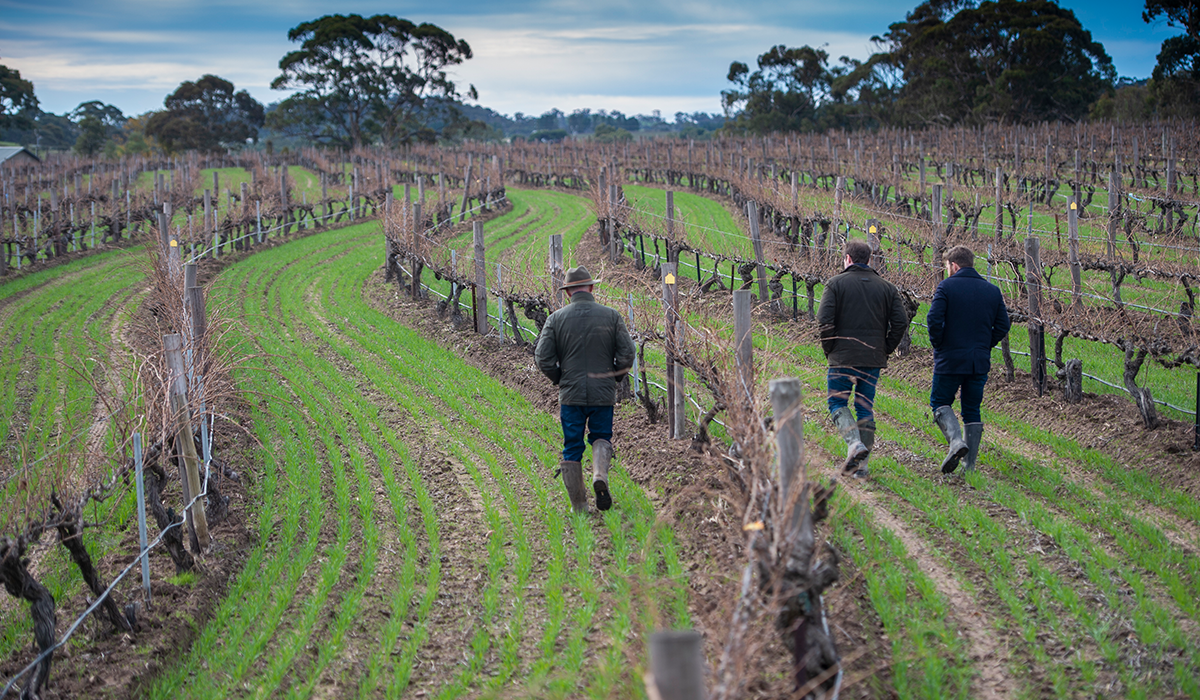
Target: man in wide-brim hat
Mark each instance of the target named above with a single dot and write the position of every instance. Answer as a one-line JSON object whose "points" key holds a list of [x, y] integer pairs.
{"points": [[585, 350]]}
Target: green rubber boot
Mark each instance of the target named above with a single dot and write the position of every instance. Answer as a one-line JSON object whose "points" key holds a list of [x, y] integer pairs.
{"points": [[948, 422], [856, 451], [974, 436], [866, 433]]}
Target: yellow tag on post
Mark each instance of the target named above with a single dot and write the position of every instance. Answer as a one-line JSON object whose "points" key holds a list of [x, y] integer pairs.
{"points": [[872, 229], [174, 243], [670, 279], [1073, 206]]}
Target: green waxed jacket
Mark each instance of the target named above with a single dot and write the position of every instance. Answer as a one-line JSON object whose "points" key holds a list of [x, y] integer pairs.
{"points": [[584, 349]]}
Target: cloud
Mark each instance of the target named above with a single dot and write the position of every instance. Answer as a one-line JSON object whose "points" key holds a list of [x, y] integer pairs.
{"points": [[669, 68]]}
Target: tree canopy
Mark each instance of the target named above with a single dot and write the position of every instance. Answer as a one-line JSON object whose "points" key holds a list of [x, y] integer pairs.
{"points": [[365, 78], [947, 62], [206, 115], [16, 99], [1013, 61], [98, 124], [783, 94], [1174, 89]]}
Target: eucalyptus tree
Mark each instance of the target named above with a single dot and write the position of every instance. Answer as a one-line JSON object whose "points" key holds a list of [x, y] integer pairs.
{"points": [[358, 79]]}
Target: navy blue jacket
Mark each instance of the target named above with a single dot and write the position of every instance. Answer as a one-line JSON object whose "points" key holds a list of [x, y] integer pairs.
{"points": [[966, 320]]}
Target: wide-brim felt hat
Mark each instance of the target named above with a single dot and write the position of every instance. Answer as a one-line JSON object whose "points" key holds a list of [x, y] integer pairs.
{"points": [[577, 277]]}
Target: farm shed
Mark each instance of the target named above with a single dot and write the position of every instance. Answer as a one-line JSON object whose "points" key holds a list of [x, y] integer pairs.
{"points": [[17, 155]]}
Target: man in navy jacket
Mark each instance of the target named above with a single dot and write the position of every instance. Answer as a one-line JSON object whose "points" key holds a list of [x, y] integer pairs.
{"points": [[966, 320]]}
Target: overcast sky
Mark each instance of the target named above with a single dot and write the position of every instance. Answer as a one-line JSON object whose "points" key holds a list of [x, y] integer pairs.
{"points": [[530, 55]]}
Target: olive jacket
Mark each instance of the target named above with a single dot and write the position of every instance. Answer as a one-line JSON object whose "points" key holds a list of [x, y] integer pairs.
{"points": [[861, 319], [584, 349]]}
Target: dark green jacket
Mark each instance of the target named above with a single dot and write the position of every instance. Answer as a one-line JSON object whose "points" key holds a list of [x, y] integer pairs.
{"points": [[861, 319], [584, 349]]}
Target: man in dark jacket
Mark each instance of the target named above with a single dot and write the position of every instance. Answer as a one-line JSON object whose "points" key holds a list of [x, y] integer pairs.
{"points": [[585, 350], [966, 319], [861, 320]]}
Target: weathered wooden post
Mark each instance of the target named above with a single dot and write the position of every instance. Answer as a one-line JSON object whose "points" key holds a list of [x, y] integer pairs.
{"points": [[668, 295], [1037, 338], [677, 665], [185, 441], [935, 208], [743, 343], [208, 211], [1072, 376], [194, 298], [556, 269], [764, 293], [462, 211], [999, 206], [678, 397], [613, 237], [481, 300], [876, 263], [141, 511], [1170, 188], [1114, 211], [789, 441], [1073, 252], [671, 257]]}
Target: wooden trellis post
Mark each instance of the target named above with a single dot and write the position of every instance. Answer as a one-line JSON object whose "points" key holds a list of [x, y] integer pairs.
{"points": [[677, 665], [1073, 251], [669, 285], [764, 293], [743, 342], [876, 263], [671, 226], [481, 300], [556, 268], [1114, 211], [999, 206], [789, 440], [462, 211], [1037, 338], [185, 439]]}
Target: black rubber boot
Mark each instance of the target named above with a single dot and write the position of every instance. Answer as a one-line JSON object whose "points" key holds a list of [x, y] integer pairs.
{"points": [[601, 459], [974, 433], [856, 451], [948, 422]]}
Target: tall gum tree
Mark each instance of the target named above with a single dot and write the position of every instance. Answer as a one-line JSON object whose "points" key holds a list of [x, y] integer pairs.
{"points": [[361, 78], [1012, 61]]}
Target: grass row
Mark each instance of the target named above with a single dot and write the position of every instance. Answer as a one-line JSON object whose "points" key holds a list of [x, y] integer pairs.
{"points": [[55, 350], [373, 349]]}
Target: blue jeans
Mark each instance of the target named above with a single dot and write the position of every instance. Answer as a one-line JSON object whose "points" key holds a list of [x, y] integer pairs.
{"points": [[860, 380], [597, 419], [946, 386]]}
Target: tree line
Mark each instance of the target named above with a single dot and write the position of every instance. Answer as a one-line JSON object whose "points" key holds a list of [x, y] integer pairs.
{"points": [[954, 62], [383, 80]]}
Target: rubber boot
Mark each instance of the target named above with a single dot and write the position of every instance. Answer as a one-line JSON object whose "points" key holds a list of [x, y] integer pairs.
{"points": [[974, 433], [856, 451], [601, 458], [572, 474], [948, 422], [866, 433]]}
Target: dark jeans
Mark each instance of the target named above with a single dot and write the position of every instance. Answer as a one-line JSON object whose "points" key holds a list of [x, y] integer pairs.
{"points": [[860, 380], [946, 386], [598, 421]]}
